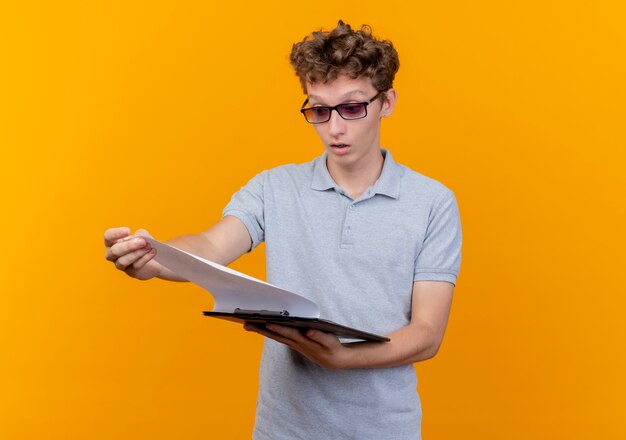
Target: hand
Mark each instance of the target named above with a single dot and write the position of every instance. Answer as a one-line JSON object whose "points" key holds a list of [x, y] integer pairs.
{"points": [[131, 254], [324, 349]]}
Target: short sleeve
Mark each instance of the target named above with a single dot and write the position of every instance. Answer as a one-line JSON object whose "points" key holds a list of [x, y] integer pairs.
{"points": [[439, 258], [247, 205]]}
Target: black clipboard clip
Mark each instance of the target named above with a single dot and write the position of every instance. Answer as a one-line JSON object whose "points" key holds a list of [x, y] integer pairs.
{"points": [[261, 313]]}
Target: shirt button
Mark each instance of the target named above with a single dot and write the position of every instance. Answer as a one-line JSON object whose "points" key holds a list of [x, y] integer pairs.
{"points": [[351, 206], [348, 230]]}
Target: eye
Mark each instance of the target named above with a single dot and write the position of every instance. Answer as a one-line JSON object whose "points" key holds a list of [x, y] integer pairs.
{"points": [[317, 114], [352, 109], [319, 111]]}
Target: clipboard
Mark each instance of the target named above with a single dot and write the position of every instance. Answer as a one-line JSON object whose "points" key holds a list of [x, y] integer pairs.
{"points": [[242, 298], [265, 317]]}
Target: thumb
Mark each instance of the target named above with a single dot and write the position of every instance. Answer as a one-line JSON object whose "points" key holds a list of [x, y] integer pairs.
{"points": [[143, 233], [113, 235]]}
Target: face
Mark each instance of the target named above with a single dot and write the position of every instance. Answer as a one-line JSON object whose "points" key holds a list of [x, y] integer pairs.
{"points": [[356, 142]]}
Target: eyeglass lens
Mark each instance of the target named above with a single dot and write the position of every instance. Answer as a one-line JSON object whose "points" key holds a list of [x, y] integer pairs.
{"points": [[346, 111]]}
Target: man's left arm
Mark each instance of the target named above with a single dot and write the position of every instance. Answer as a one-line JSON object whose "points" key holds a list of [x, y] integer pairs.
{"points": [[418, 341]]}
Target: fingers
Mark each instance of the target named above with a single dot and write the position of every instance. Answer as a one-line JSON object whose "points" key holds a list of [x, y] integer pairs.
{"points": [[111, 236], [131, 253], [268, 334], [135, 258], [125, 246], [323, 338], [291, 336], [288, 332], [141, 262], [263, 330]]}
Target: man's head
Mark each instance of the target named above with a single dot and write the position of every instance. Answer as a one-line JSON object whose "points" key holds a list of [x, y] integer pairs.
{"points": [[347, 76], [323, 56]]}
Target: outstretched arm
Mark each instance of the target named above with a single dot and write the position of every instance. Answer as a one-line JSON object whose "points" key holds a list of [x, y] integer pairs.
{"points": [[223, 243], [419, 340]]}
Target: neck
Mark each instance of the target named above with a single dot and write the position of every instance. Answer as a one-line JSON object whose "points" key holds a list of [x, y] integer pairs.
{"points": [[357, 177]]}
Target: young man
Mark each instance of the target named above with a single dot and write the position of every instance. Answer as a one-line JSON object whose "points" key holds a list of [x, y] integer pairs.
{"points": [[374, 243]]}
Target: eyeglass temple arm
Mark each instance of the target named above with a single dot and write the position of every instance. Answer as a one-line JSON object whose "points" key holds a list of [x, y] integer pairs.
{"points": [[382, 92]]}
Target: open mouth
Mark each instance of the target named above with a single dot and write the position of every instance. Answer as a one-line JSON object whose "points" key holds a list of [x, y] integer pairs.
{"points": [[340, 149]]}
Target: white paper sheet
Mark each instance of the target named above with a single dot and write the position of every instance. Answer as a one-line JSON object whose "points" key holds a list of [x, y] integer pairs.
{"points": [[231, 289]]}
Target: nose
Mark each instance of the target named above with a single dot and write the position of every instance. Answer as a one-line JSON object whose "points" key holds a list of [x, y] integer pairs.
{"points": [[336, 124]]}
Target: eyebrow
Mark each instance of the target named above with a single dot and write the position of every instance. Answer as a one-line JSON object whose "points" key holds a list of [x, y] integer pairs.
{"points": [[345, 96]]}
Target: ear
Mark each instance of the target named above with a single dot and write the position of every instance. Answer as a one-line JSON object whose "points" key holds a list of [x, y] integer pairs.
{"points": [[389, 103]]}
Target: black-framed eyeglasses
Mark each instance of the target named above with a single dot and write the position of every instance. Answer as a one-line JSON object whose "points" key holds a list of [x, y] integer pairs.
{"points": [[348, 111]]}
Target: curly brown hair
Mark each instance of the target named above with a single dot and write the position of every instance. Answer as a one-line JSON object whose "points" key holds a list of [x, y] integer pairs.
{"points": [[322, 56]]}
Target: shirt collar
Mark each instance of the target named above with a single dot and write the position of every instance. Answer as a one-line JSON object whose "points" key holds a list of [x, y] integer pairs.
{"points": [[321, 177], [387, 184]]}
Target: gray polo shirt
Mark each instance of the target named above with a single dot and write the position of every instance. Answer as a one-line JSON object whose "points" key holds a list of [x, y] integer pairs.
{"points": [[357, 259]]}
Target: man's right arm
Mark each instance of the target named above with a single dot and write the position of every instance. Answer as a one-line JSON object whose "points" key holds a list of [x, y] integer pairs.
{"points": [[223, 244]]}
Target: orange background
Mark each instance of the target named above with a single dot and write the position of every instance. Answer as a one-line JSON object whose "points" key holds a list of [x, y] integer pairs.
{"points": [[151, 114]]}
